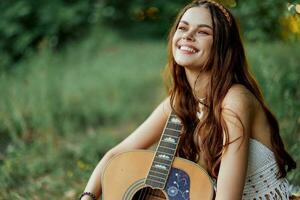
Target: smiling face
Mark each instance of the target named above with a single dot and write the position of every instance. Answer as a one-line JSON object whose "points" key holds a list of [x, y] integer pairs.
{"points": [[193, 38]]}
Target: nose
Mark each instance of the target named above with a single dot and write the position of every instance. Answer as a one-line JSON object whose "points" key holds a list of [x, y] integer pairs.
{"points": [[189, 35]]}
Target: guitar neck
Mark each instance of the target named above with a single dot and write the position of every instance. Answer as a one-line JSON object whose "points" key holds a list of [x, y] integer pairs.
{"points": [[165, 153]]}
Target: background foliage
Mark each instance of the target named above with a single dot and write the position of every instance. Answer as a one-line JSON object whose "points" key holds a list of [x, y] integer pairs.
{"points": [[76, 77], [258, 17], [30, 26]]}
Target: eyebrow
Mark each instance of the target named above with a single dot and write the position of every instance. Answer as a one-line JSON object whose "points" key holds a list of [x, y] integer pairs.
{"points": [[199, 25]]}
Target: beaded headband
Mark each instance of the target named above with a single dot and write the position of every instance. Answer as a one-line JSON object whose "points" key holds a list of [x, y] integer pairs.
{"points": [[221, 7]]}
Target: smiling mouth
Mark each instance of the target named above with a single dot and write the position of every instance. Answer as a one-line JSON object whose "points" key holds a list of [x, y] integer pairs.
{"points": [[187, 49]]}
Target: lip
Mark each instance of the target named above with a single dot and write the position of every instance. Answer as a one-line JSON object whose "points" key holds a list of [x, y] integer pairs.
{"points": [[187, 45]]}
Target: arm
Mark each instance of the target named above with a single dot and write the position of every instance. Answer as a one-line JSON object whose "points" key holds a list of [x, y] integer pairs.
{"points": [[143, 137], [238, 102]]}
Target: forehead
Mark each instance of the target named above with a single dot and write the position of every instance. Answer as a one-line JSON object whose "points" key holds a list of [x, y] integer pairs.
{"points": [[197, 15]]}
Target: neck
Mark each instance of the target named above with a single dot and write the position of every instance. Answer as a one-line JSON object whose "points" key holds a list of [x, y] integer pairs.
{"points": [[199, 82]]}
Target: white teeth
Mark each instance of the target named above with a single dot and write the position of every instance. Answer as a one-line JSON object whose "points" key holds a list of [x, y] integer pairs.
{"points": [[187, 49]]}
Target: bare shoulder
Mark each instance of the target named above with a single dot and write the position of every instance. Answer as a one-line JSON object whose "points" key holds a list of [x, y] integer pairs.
{"points": [[239, 108], [240, 100]]}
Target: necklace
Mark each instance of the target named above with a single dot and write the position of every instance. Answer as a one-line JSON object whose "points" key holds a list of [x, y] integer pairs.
{"points": [[202, 100], [201, 104]]}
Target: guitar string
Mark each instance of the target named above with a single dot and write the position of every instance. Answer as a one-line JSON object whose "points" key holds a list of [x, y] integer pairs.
{"points": [[145, 194], [145, 191], [140, 195]]}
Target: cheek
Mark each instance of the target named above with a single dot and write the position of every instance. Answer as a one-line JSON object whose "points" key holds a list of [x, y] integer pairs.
{"points": [[207, 46], [174, 39], [208, 51], [173, 46]]}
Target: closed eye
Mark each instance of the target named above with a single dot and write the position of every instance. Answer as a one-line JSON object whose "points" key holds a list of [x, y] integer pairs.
{"points": [[202, 32], [181, 28]]}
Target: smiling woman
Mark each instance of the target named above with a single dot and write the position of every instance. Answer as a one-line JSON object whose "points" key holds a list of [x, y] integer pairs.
{"points": [[214, 116], [193, 39]]}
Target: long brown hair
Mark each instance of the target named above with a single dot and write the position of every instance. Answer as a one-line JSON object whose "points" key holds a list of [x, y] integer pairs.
{"points": [[227, 65]]}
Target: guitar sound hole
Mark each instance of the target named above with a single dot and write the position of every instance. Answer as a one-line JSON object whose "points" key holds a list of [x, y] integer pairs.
{"points": [[148, 193]]}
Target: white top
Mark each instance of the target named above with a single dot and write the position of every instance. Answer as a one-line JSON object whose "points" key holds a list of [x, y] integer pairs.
{"points": [[261, 182]]}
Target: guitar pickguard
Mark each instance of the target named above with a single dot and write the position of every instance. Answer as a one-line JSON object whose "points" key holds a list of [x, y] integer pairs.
{"points": [[178, 185]]}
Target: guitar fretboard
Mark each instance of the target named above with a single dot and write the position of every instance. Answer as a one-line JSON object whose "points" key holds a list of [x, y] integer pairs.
{"points": [[165, 153]]}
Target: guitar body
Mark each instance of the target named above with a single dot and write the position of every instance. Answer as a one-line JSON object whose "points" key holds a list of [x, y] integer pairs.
{"points": [[125, 174]]}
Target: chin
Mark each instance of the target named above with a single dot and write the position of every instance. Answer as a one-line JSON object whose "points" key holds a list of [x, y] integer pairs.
{"points": [[183, 62], [187, 64]]}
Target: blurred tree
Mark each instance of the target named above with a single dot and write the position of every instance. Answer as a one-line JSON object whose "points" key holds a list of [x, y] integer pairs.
{"points": [[259, 19], [30, 25], [141, 18]]}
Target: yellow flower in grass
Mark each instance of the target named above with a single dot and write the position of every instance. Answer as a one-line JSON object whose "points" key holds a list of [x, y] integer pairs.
{"points": [[291, 26], [294, 24], [70, 173], [82, 166]]}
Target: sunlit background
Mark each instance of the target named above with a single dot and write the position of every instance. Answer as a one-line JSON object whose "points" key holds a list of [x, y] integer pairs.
{"points": [[77, 76]]}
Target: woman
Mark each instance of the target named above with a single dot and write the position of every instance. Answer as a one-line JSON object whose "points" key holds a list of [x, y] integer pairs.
{"points": [[228, 129]]}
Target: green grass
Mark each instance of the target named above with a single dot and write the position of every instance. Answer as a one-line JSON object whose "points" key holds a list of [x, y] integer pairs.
{"points": [[60, 112]]}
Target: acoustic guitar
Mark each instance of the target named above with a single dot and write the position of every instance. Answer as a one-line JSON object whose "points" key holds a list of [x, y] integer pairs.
{"points": [[159, 175]]}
